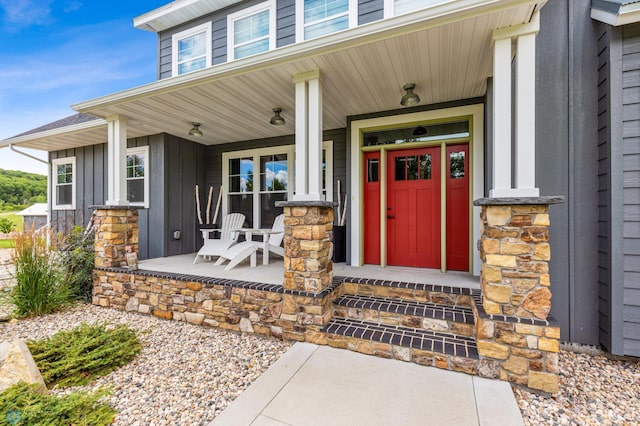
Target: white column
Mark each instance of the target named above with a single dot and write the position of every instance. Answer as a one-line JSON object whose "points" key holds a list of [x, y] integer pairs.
{"points": [[301, 140], [501, 118], [308, 136], [117, 161], [525, 176]]}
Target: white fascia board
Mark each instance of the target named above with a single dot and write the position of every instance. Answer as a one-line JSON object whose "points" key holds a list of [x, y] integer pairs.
{"points": [[628, 14], [75, 128], [178, 12], [363, 34]]}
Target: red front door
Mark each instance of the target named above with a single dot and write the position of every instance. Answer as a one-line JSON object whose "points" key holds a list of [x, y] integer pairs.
{"points": [[413, 208], [372, 208]]}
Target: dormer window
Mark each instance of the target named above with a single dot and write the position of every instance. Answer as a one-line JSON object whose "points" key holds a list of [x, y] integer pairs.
{"points": [[192, 49], [320, 17], [251, 30]]}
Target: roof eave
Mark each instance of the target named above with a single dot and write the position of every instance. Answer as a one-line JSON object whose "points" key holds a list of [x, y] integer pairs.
{"points": [[625, 14], [81, 127], [178, 12]]}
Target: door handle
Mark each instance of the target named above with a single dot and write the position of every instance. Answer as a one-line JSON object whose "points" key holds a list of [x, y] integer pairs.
{"points": [[390, 216]]}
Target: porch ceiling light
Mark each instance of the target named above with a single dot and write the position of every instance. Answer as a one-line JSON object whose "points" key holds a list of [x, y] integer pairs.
{"points": [[277, 120], [410, 98], [195, 131], [420, 131]]}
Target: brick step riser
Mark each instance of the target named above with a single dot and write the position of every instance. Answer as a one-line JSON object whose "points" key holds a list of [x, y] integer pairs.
{"points": [[392, 318], [417, 356], [408, 294]]}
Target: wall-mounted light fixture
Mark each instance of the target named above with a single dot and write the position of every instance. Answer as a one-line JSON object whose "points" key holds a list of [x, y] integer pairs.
{"points": [[277, 119], [409, 98], [195, 131]]}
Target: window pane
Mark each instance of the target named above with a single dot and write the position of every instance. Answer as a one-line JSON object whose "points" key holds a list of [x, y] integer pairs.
{"points": [[242, 203], [324, 171], [192, 47], [412, 167], [268, 209], [64, 194], [404, 6], [326, 27], [251, 48], [399, 164], [457, 165], [425, 166], [320, 9], [135, 166], [251, 27], [135, 190], [435, 132], [65, 173], [194, 65], [372, 170], [273, 172], [241, 174]]}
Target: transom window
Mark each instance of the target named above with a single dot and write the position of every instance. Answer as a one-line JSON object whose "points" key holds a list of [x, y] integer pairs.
{"points": [[321, 17], [64, 170], [191, 49], [137, 176], [251, 31]]}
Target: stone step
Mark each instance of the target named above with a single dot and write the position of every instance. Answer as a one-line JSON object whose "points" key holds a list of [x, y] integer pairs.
{"points": [[457, 320], [425, 347]]}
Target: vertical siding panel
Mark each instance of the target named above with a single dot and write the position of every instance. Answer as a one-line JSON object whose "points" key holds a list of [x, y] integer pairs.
{"points": [[156, 215]]}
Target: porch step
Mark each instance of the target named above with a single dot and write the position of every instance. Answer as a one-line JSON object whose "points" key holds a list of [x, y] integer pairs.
{"points": [[399, 342], [457, 320]]}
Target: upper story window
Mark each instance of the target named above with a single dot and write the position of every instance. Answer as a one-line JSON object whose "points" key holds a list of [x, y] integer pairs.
{"points": [[319, 17], [251, 30], [64, 182], [400, 7], [191, 49], [138, 176]]}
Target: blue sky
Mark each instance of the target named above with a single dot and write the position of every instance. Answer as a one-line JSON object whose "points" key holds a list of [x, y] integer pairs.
{"points": [[54, 53]]}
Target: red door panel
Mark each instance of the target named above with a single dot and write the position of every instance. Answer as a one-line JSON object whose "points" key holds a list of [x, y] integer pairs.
{"points": [[413, 207], [372, 208], [457, 177]]}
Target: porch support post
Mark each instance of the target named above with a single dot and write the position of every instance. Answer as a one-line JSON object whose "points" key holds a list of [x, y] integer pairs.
{"points": [[117, 161], [308, 136], [501, 118], [523, 168]]}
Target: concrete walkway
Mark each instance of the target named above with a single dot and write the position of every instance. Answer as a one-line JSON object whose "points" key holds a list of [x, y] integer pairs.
{"points": [[319, 385]]}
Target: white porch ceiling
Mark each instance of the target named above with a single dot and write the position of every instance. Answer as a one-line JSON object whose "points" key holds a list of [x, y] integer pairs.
{"points": [[448, 60]]}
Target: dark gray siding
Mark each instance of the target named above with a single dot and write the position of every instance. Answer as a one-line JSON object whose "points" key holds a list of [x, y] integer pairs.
{"points": [[175, 166], [286, 22], [631, 187], [566, 160], [370, 10]]}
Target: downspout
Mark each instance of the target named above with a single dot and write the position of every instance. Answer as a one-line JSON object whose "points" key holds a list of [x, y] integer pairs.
{"points": [[13, 148]]}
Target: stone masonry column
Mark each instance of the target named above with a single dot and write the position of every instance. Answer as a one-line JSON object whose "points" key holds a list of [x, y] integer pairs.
{"points": [[513, 325], [116, 228]]}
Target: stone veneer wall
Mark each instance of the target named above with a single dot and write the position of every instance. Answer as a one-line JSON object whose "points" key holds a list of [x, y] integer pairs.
{"points": [[513, 324], [116, 228]]}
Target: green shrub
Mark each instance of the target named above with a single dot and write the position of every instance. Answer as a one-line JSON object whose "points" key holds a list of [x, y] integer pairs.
{"points": [[6, 225], [76, 357], [23, 405], [77, 256], [39, 288]]}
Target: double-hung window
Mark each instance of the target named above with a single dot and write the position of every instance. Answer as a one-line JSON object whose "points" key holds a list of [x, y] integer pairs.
{"points": [[191, 49], [138, 176], [64, 182], [320, 17], [251, 31]]}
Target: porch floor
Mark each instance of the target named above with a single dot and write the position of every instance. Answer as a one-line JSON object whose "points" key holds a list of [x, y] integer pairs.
{"points": [[273, 273]]}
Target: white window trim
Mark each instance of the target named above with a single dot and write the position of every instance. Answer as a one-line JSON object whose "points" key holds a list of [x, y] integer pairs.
{"points": [[144, 150], [256, 154], [389, 7], [54, 182], [353, 18], [267, 5], [206, 27]]}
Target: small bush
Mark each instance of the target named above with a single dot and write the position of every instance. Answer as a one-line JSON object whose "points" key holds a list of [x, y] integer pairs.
{"points": [[6, 225], [23, 405], [77, 255], [39, 288], [76, 357]]}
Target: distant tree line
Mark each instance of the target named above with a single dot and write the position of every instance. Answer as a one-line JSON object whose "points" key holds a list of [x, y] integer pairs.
{"points": [[21, 189]]}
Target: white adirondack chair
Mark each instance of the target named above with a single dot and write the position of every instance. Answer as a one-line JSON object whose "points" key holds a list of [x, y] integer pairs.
{"points": [[228, 237], [239, 252]]}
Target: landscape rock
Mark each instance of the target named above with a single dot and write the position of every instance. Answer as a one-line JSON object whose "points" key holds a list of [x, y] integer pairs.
{"points": [[16, 365]]}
